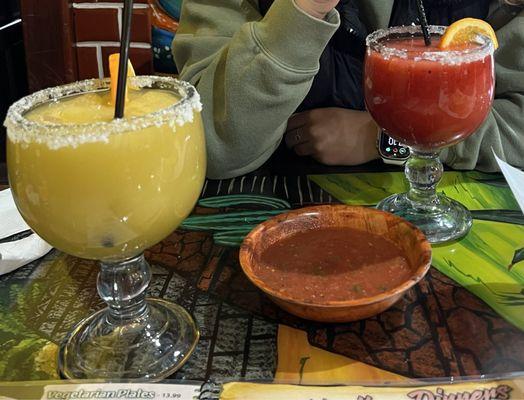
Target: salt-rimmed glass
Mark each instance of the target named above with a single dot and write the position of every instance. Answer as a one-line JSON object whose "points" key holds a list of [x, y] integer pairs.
{"points": [[107, 191], [427, 99]]}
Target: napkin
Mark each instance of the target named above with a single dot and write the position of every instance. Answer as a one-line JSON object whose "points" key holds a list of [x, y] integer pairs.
{"points": [[15, 254], [11, 220], [515, 179]]}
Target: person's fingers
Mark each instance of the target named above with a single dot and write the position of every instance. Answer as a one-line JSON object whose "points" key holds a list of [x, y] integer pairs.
{"points": [[294, 137], [297, 121], [305, 149]]}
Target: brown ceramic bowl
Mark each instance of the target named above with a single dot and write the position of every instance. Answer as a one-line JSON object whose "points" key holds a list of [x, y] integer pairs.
{"points": [[411, 240]]}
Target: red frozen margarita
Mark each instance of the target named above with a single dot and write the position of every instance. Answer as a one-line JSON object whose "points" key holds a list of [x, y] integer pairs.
{"points": [[429, 97], [426, 97]]}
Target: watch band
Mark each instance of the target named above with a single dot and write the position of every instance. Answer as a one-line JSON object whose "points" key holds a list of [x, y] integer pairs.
{"points": [[391, 161]]}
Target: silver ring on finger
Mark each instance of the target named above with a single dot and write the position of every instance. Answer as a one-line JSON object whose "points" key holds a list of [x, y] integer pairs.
{"points": [[297, 136]]}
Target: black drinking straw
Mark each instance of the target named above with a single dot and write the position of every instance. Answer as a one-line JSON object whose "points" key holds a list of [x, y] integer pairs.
{"points": [[124, 57], [423, 22]]}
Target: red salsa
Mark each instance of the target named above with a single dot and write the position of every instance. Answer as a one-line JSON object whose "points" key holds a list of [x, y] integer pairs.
{"points": [[333, 264]]}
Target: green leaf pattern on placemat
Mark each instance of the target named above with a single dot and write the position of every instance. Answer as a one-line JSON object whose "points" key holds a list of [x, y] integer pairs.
{"points": [[25, 354], [480, 261], [517, 257], [477, 191], [231, 226]]}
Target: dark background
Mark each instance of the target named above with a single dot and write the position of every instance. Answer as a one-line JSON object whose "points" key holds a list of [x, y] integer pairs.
{"points": [[13, 80]]}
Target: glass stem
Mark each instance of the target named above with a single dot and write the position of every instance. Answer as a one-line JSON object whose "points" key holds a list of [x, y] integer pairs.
{"points": [[122, 285], [424, 172]]}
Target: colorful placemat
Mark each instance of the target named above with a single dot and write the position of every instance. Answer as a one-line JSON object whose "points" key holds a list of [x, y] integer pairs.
{"points": [[438, 329], [488, 261], [476, 190], [426, 334]]}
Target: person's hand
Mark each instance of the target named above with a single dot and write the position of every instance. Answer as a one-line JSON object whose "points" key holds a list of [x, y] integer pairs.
{"points": [[317, 8], [333, 136]]}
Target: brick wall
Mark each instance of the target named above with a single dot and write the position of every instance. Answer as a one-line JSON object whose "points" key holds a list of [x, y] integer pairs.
{"points": [[68, 40], [96, 34]]}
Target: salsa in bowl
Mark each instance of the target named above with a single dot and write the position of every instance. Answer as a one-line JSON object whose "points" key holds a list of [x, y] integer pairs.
{"points": [[335, 263]]}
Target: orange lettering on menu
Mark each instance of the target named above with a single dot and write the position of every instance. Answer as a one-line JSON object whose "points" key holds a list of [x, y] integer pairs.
{"points": [[501, 392], [421, 395]]}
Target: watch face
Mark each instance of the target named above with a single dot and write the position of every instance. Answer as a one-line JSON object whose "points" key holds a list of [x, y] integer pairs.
{"points": [[390, 148]]}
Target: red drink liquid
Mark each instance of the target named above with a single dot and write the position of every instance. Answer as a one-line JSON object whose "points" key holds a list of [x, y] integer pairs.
{"points": [[428, 102]]}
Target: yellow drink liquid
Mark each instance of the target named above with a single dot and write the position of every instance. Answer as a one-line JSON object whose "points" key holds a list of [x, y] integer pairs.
{"points": [[111, 196]]}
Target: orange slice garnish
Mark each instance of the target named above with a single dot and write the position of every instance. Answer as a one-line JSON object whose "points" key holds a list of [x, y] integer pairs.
{"points": [[114, 59], [466, 31]]}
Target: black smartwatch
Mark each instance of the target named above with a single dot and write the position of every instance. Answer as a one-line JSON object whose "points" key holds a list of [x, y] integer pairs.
{"points": [[390, 150]]}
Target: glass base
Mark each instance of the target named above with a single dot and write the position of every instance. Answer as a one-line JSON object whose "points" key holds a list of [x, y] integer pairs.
{"points": [[442, 221], [151, 347]]}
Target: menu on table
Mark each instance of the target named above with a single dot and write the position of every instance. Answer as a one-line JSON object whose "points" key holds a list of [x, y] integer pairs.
{"points": [[506, 389]]}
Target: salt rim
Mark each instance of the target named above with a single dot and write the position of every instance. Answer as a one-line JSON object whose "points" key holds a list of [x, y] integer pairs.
{"points": [[55, 136], [451, 57]]}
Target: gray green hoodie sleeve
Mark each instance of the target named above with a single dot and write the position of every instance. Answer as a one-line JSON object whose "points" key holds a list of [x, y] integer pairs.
{"points": [[504, 128], [251, 72]]}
